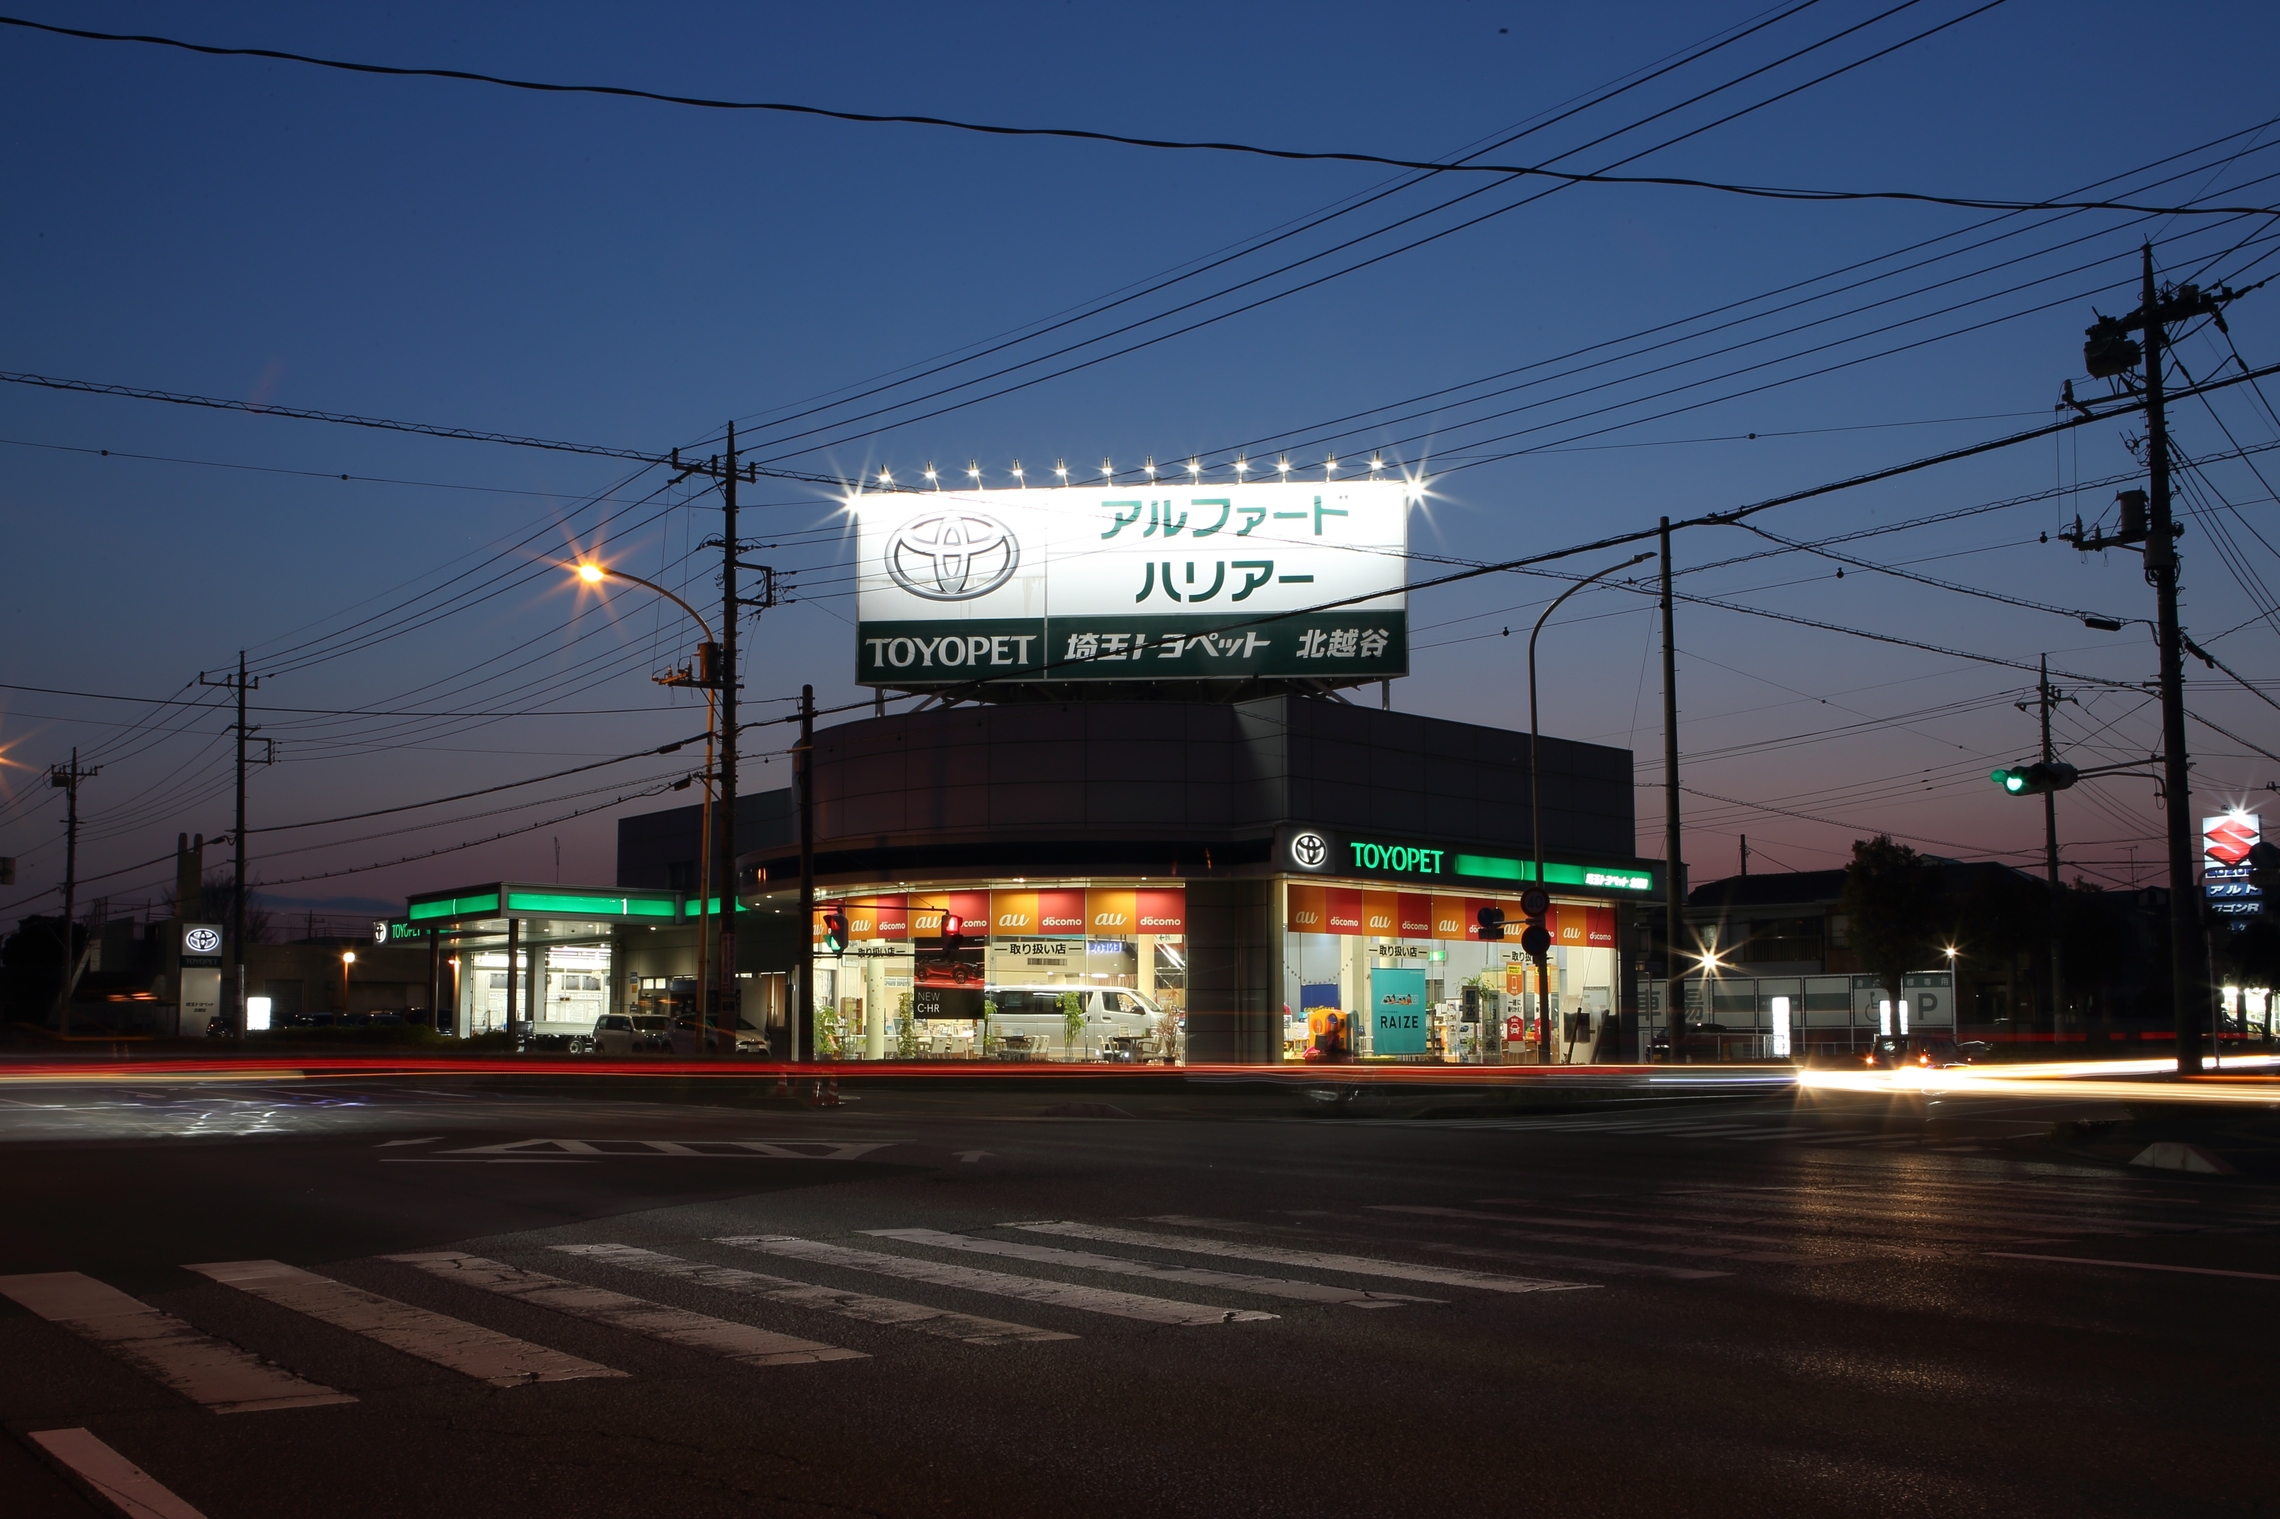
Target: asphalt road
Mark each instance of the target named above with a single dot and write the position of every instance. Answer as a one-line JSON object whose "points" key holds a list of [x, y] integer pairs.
{"points": [[441, 1302]]}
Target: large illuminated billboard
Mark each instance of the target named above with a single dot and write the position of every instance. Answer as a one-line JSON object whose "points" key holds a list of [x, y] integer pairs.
{"points": [[1195, 582]]}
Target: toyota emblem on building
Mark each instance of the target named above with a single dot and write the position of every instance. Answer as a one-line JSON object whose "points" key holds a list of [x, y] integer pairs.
{"points": [[202, 941], [1309, 851], [952, 556]]}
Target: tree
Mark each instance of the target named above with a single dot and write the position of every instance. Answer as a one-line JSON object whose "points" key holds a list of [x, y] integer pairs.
{"points": [[217, 895], [2095, 936], [31, 965], [1891, 901], [2006, 915]]}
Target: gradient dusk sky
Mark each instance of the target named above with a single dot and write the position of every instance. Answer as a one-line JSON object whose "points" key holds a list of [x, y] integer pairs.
{"points": [[1575, 365]]}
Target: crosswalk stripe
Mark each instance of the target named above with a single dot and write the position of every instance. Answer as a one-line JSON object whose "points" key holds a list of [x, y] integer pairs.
{"points": [[1566, 1237], [499, 1359], [892, 1312], [1352, 1265], [222, 1376], [1088, 1260], [1583, 1263], [1123, 1305], [1640, 1226], [126, 1486], [675, 1326]]}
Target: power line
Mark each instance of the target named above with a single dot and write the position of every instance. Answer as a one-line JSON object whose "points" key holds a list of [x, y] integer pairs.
{"points": [[1422, 166]]}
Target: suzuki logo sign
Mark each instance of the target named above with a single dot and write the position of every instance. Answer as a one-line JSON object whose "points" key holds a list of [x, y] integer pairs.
{"points": [[952, 556]]}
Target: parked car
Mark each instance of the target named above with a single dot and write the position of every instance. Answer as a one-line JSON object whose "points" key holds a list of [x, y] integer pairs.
{"points": [[1118, 1024], [747, 1039], [631, 1034]]}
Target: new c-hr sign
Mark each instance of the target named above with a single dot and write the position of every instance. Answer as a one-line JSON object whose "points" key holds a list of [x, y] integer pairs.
{"points": [[1160, 582]]}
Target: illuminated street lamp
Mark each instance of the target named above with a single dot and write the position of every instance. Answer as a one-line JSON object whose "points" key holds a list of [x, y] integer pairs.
{"points": [[347, 959], [707, 676]]}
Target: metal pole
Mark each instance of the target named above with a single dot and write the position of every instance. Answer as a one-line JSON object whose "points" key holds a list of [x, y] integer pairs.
{"points": [[704, 880], [237, 869], [1673, 898], [514, 971], [722, 880], [2057, 916], [1536, 790], [2188, 955], [801, 1012], [70, 896]]}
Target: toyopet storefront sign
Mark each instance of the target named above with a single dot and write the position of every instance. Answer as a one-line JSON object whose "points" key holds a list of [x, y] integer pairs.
{"points": [[1155, 583], [1327, 852]]}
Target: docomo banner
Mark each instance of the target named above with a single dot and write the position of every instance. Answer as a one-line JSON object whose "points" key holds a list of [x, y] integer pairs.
{"points": [[1132, 583], [1043, 913], [1352, 911]]}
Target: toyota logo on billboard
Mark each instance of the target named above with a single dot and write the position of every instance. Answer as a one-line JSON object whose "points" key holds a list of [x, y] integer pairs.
{"points": [[952, 556]]}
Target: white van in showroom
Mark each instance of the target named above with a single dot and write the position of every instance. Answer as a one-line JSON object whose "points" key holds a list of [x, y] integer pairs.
{"points": [[1118, 1024]]}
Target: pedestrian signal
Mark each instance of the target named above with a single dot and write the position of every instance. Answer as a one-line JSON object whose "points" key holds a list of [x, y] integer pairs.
{"points": [[1491, 922]]}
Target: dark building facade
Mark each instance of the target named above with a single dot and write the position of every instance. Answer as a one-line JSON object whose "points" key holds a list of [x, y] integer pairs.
{"points": [[1255, 874]]}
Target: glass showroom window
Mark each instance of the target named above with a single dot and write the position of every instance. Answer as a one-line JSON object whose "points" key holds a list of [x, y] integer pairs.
{"points": [[1406, 976], [1023, 971]]}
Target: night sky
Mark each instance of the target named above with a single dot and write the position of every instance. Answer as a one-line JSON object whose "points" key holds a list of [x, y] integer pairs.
{"points": [[857, 297]]}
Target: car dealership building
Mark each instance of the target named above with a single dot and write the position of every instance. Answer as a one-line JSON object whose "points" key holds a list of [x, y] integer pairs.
{"points": [[1136, 783]]}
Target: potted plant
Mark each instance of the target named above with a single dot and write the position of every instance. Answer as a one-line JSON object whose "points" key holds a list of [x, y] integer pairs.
{"points": [[1072, 1021], [907, 1042]]}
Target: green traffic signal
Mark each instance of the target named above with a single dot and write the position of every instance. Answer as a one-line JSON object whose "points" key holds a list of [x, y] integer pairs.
{"points": [[2037, 779]]}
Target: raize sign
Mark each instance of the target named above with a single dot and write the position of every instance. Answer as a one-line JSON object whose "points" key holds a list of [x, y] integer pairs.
{"points": [[1162, 582]]}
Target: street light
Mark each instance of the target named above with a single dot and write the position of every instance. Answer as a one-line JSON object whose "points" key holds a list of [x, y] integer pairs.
{"points": [[347, 959], [1536, 804], [708, 677]]}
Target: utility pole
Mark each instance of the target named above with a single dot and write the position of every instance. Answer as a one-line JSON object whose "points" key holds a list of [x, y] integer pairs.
{"points": [[2110, 353], [69, 779], [1674, 902], [236, 969], [2047, 697], [720, 882], [800, 1010]]}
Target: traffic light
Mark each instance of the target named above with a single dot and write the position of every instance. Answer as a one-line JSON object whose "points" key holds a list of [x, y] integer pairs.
{"points": [[834, 931], [1491, 922], [2037, 779], [953, 932]]}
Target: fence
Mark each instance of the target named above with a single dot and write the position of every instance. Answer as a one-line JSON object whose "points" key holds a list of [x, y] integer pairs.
{"points": [[1797, 1017]]}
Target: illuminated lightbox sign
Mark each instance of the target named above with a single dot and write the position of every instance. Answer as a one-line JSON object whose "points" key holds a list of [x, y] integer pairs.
{"points": [[1155, 582], [2226, 843]]}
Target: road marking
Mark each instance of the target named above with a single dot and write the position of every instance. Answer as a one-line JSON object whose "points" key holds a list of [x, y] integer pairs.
{"points": [[675, 1326], [772, 1149], [1123, 1305], [1353, 1265], [491, 1160], [1087, 1260], [969, 1157], [390, 1144], [1544, 1225], [1577, 1262], [124, 1485], [223, 1377], [2077, 1260], [893, 1312], [499, 1359]]}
